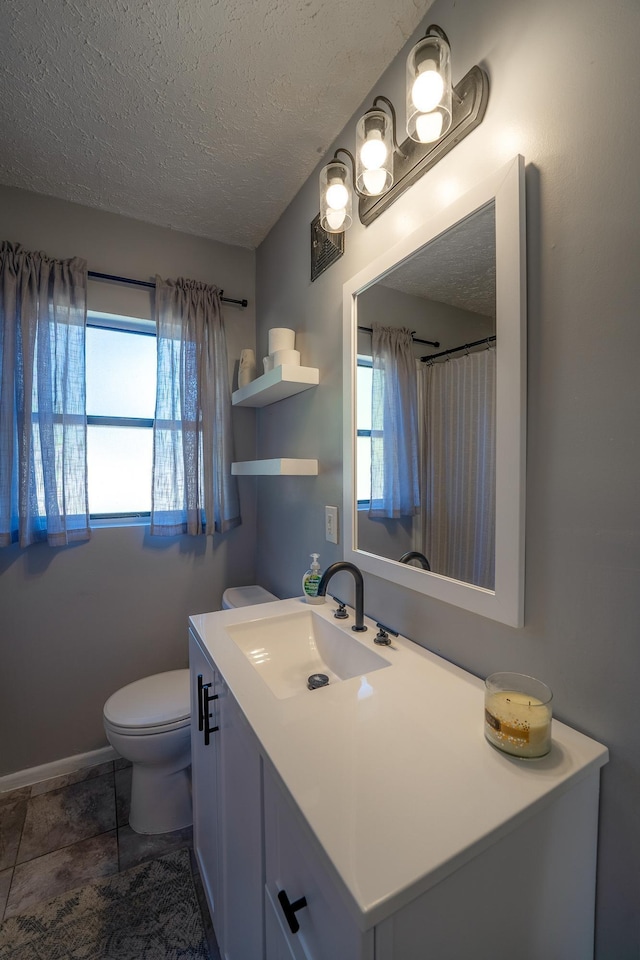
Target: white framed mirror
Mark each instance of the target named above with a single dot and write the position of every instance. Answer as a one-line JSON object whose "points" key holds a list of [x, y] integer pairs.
{"points": [[458, 283]]}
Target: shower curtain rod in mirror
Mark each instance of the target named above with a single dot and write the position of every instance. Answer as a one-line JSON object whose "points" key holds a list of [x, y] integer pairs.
{"points": [[463, 346], [146, 283], [431, 343]]}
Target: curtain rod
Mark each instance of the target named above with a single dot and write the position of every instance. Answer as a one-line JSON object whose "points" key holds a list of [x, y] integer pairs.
{"points": [[431, 343], [151, 285], [463, 346]]}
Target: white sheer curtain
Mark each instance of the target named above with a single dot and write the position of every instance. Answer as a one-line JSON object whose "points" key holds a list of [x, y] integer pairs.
{"points": [[193, 490], [458, 468], [43, 456], [395, 490]]}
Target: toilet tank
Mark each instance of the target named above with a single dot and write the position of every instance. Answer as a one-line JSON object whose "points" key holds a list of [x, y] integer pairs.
{"points": [[245, 596]]}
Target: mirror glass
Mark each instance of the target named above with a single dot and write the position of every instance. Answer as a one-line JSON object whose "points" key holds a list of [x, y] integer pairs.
{"points": [[457, 285], [446, 295]]}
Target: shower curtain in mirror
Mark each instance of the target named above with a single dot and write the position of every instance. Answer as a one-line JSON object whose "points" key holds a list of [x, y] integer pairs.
{"points": [[395, 489], [193, 490], [43, 431], [456, 527]]}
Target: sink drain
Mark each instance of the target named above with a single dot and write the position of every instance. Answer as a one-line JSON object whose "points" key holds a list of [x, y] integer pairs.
{"points": [[317, 680]]}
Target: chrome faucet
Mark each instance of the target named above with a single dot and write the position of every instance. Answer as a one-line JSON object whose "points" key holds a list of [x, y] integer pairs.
{"points": [[357, 576]]}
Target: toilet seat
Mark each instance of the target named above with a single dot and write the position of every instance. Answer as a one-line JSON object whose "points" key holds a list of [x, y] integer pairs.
{"points": [[155, 704], [158, 729]]}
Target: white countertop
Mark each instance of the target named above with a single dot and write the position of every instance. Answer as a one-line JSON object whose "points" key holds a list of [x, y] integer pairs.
{"points": [[392, 772]]}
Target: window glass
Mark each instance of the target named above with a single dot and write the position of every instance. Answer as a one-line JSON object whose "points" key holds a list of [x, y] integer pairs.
{"points": [[121, 373], [121, 397], [119, 465], [363, 388], [364, 382], [363, 475]]}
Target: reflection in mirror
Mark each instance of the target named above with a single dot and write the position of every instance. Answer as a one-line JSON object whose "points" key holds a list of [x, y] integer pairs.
{"points": [[444, 293], [434, 456]]}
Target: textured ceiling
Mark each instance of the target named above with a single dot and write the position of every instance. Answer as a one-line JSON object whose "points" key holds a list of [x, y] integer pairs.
{"points": [[458, 267], [202, 115]]}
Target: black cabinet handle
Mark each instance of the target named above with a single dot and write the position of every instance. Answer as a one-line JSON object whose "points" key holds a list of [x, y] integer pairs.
{"points": [[200, 706], [204, 699], [289, 909]]}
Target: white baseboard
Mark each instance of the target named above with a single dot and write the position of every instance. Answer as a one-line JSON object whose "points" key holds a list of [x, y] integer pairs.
{"points": [[25, 778]]}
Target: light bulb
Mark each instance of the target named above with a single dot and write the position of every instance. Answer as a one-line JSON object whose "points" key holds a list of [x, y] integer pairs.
{"points": [[428, 87], [335, 219], [337, 196], [373, 152], [374, 181], [429, 127]]}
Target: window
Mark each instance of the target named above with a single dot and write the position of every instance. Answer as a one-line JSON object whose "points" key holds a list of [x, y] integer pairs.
{"points": [[121, 397], [364, 380]]}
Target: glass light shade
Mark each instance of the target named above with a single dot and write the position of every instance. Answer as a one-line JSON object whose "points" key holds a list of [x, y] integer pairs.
{"points": [[429, 89], [336, 197], [374, 153]]}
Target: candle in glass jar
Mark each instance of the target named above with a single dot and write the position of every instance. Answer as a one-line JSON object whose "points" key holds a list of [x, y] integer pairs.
{"points": [[518, 715]]}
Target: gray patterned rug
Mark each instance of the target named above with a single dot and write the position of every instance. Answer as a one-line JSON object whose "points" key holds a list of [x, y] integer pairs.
{"points": [[147, 913]]}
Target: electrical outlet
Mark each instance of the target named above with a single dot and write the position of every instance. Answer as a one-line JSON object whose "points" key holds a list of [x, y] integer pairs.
{"points": [[331, 524]]}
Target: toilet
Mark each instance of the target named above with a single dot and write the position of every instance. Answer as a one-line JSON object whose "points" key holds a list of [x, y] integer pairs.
{"points": [[149, 723]]}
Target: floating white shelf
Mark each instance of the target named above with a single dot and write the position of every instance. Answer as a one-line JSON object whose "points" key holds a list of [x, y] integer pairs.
{"points": [[282, 382], [282, 466]]}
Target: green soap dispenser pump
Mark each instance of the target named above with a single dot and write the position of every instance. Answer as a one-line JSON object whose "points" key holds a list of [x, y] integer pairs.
{"points": [[311, 580]]}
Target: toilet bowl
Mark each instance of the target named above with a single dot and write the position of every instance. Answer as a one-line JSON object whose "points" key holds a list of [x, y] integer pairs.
{"points": [[149, 723]]}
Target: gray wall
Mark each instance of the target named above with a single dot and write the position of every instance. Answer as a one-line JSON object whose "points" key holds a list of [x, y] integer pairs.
{"points": [[76, 623], [561, 77]]}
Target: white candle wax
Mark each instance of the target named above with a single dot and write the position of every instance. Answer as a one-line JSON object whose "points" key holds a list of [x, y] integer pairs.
{"points": [[518, 723]]}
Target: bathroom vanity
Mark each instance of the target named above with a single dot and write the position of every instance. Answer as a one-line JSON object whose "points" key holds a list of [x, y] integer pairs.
{"points": [[369, 819]]}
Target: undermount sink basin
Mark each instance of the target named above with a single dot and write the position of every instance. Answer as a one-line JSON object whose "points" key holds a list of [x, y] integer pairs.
{"points": [[289, 649]]}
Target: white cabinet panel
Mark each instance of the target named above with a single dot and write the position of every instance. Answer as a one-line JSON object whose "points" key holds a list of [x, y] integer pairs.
{"points": [[529, 896], [326, 929], [241, 823], [204, 782], [227, 813], [277, 944]]}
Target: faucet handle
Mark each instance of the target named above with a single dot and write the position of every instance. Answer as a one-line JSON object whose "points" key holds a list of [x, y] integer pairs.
{"points": [[340, 613], [382, 637]]}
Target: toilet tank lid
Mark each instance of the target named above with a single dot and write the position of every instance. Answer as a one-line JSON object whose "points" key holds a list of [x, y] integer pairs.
{"points": [[153, 701], [245, 596]]}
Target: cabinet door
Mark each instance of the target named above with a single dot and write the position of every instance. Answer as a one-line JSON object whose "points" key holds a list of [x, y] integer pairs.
{"points": [[327, 930], [241, 833], [277, 945], [205, 778]]}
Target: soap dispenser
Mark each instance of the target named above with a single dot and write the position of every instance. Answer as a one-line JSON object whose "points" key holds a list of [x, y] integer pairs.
{"points": [[311, 580]]}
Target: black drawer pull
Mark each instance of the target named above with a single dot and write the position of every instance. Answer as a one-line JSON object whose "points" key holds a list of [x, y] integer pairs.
{"points": [[200, 704], [204, 699], [289, 909]]}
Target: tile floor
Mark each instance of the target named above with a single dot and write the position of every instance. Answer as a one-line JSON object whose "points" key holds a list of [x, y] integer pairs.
{"points": [[72, 830]]}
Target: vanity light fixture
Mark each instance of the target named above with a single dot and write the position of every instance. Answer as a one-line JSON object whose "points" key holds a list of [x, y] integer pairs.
{"points": [[336, 194], [375, 146], [429, 87], [438, 118], [371, 171]]}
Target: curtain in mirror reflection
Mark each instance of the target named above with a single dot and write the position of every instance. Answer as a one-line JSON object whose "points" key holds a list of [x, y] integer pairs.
{"points": [[455, 528]]}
